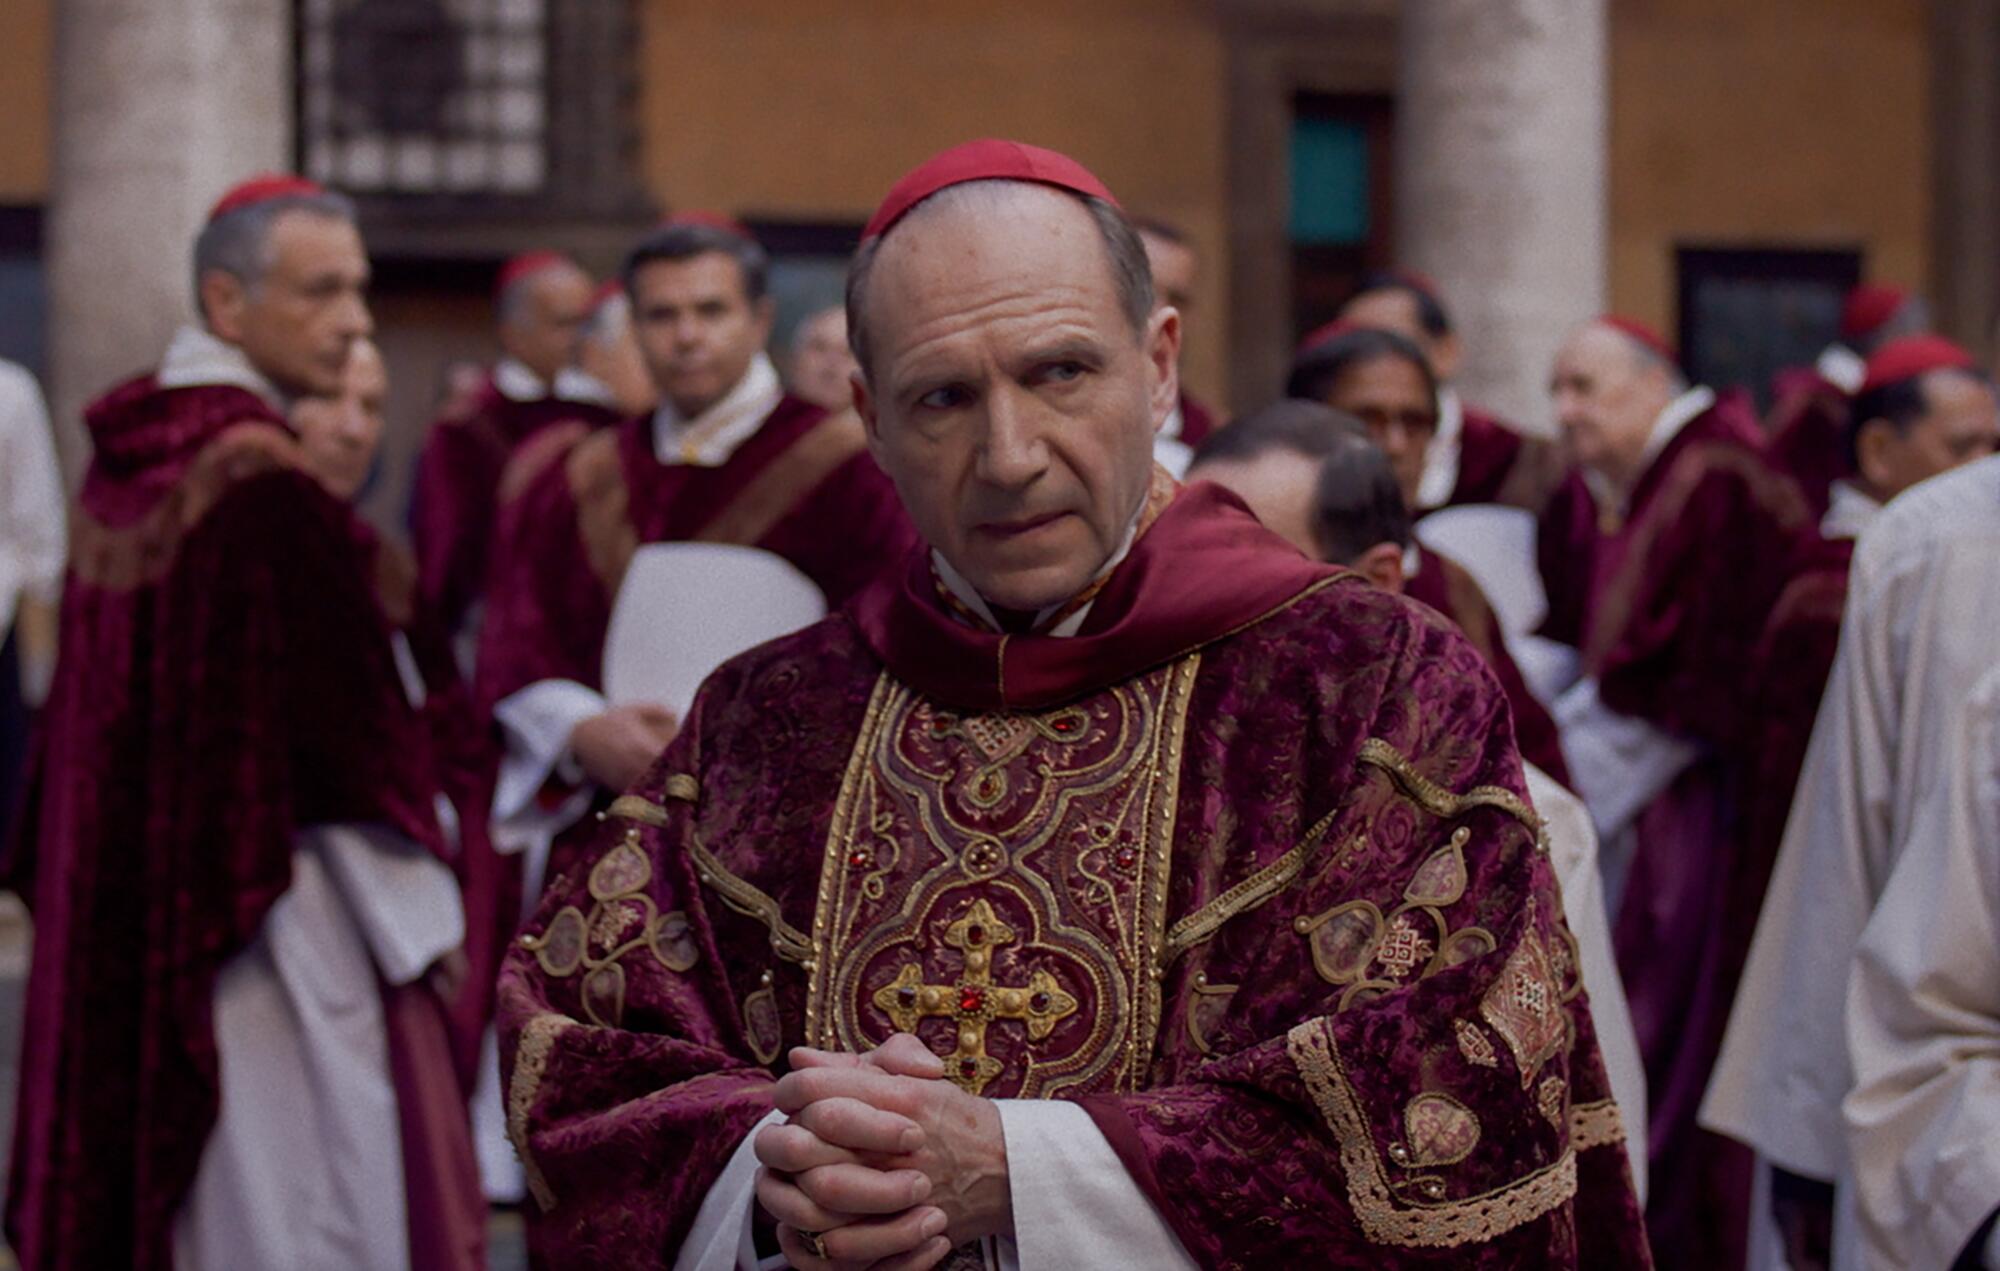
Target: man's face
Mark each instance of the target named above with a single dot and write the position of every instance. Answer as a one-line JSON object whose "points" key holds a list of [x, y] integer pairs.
{"points": [[1960, 423], [541, 333], [822, 364], [1389, 395], [1009, 398], [298, 322], [340, 434], [1607, 397], [1173, 267], [697, 326], [1278, 485]]}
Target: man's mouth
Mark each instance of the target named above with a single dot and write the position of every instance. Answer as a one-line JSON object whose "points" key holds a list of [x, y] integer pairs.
{"points": [[1006, 530]]}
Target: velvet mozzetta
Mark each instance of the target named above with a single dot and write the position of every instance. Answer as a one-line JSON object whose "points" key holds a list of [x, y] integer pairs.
{"points": [[226, 677], [1255, 881]]}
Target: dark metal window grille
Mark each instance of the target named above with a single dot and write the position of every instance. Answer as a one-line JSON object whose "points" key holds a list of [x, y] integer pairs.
{"points": [[425, 96]]}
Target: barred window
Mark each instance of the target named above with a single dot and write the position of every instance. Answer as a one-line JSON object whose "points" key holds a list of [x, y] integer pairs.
{"points": [[428, 100]]}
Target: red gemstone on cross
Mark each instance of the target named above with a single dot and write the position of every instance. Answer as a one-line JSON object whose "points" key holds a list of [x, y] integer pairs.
{"points": [[970, 999], [975, 934], [968, 1067]]}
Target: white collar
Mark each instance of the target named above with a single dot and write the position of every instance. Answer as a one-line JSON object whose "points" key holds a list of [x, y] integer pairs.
{"points": [[964, 592], [1413, 559], [1677, 414], [516, 382], [1841, 367], [1170, 430], [1849, 509], [710, 438], [195, 357], [1440, 475]]}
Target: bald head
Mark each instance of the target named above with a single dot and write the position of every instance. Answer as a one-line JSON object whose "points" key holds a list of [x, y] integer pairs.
{"points": [[1609, 389], [541, 314], [1014, 371]]}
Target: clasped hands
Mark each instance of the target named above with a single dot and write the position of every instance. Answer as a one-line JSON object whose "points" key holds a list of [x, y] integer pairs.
{"points": [[891, 1166]]}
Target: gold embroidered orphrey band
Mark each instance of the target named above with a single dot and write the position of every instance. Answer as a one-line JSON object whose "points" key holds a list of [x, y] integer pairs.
{"points": [[906, 791], [1383, 1220]]}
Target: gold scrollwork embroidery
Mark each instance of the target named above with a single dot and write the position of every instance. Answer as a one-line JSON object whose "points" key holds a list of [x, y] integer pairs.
{"points": [[1206, 1005], [1244, 896], [622, 919], [1438, 1130], [763, 1028], [1549, 1099], [1438, 1225], [531, 1061], [1474, 1045], [1440, 802], [1595, 1125], [787, 941], [1524, 1005]]}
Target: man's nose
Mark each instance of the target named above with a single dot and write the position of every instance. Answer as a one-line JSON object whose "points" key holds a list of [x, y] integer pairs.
{"points": [[1012, 453]]}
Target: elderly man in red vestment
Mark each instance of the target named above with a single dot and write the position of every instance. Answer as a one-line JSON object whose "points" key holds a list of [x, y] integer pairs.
{"points": [[1384, 380], [1663, 555], [1807, 423], [1108, 886], [1473, 456], [728, 457], [541, 301], [227, 846], [1923, 408]]}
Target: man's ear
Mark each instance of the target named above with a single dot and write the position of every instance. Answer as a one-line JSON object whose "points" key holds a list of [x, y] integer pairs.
{"points": [[1163, 351], [223, 300], [865, 406], [1382, 565], [1871, 453]]}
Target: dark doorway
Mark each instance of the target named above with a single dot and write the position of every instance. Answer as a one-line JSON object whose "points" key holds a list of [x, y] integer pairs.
{"points": [[1749, 312]]}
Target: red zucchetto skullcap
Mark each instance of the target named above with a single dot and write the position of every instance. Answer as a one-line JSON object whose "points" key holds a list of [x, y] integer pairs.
{"points": [[1911, 356], [1640, 333], [1868, 307], [708, 218], [262, 188], [1326, 333], [983, 161], [526, 265]]}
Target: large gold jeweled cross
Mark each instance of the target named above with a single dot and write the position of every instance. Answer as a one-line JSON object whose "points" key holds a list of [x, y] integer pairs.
{"points": [[975, 1001]]}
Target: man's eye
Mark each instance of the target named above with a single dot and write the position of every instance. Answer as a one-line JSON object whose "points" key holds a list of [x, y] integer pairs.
{"points": [[1062, 372], [949, 397]]}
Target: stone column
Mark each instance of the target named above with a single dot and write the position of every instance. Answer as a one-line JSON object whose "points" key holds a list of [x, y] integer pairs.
{"points": [[1501, 135], [160, 105]]}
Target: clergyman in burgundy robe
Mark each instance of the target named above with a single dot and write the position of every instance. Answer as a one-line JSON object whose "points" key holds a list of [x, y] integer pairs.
{"points": [[457, 482], [226, 681], [1664, 585], [1259, 885]]}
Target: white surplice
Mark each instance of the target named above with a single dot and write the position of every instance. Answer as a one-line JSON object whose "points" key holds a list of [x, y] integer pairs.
{"points": [[1923, 1020], [304, 1169], [1923, 605], [32, 533]]}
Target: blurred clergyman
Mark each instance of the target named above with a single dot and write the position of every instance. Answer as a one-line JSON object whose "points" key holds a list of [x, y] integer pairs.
{"points": [[32, 547], [232, 844]]}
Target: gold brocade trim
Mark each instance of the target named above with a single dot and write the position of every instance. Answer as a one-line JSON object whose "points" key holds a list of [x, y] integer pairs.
{"points": [[1437, 1226], [1439, 801], [1244, 896], [830, 876], [787, 941], [634, 807], [531, 1061], [1595, 1125]]}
